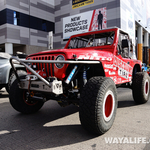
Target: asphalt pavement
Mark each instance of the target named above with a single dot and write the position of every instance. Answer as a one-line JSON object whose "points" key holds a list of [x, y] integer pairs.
{"points": [[57, 128]]}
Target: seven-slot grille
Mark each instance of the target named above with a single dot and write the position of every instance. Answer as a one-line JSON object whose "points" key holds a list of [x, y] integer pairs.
{"points": [[46, 67]]}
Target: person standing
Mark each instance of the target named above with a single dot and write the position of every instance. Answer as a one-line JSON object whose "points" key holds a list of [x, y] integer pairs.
{"points": [[100, 20]]}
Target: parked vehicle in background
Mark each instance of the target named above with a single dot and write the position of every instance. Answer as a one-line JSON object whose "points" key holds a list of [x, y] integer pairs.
{"points": [[6, 72], [144, 67], [85, 73]]}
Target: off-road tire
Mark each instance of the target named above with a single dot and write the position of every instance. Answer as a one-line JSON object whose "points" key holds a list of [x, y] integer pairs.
{"points": [[98, 105], [12, 78], [18, 102], [141, 87]]}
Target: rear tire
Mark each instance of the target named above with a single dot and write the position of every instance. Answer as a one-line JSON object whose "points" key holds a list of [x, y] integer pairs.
{"points": [[98, 105], [19, 101], [141, 87]]}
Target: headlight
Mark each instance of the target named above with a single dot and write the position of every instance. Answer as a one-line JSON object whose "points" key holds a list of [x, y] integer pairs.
{"points": [[29, 64], [59, 58]]}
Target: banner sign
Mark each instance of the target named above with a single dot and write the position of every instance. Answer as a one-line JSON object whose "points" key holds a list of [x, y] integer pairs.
{"points": [[131, 25], [80, 3], [84, 22]]}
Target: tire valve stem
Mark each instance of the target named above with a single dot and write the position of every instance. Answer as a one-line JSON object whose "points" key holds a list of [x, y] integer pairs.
{"points": [[84, 76]]}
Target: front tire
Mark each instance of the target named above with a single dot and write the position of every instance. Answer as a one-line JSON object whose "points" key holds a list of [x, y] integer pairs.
{"points": [[141, 87], [12, 78], [98, 105], [19, 102]]}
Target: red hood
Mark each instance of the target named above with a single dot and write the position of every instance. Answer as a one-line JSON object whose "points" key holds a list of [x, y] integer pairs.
{"points": [[91, 54]]}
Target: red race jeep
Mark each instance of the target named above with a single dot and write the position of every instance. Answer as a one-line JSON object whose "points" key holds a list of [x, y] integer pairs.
{"points": [[85, 73]]}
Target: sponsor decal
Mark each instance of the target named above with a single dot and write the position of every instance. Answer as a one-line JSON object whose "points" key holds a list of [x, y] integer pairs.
{"points": [[108, 66], [124, 69], [124, 81], [106, 70], [114, 68], [121, 64], [112, 73], [119, 80], [130, 78], [95, 57], [123, 73], [81, 3], [116, 79]]}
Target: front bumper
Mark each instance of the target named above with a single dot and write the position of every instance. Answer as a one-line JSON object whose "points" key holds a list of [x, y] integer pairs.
{"points": [[40, 83], [54, 86]]}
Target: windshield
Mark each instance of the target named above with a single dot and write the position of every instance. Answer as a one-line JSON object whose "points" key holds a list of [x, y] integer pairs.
{"points": [[92, 40]]}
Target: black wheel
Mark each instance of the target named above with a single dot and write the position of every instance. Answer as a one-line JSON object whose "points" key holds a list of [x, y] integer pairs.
{"points": [[12, 78], [20, 102], [98, 105], [141, 87]]}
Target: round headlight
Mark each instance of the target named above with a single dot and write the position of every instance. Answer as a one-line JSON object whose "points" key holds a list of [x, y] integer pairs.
{"points": [[59, 58], [29, 64]]}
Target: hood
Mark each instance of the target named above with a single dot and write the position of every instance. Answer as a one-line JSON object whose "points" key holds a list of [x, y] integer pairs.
{"points": [[4, 62], [81, 54], [5, 55]]}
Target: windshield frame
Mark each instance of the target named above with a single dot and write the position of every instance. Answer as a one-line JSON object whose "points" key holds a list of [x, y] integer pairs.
{"points": [[93, 33]]}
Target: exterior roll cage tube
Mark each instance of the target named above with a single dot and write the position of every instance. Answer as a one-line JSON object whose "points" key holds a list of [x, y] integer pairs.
{"points": [[23, 62]]}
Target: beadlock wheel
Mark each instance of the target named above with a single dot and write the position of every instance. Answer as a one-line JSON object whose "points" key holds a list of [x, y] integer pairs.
{"points": [[26, 100], [108, 105], [98, 105], [140, 87], [146, 89], [19, 101]]}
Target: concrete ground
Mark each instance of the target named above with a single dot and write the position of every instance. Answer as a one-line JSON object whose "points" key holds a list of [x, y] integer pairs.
{"points": [[57, 128]]}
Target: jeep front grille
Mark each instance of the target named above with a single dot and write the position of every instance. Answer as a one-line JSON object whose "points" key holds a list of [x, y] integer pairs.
{"points": [[48, 68]]}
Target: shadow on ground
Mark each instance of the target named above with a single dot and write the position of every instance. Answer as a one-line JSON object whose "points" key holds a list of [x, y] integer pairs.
{"points": [[51, 127], [30, 132]]}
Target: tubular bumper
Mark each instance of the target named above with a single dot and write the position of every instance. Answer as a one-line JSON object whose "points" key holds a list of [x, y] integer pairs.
{"points": [[23, 62]]}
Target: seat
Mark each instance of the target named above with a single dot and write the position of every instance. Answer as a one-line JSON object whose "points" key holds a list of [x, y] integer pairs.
{"points": [[125, 48]]}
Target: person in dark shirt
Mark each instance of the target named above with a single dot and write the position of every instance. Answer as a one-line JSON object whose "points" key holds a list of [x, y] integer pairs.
{"points": [[100, 20]]}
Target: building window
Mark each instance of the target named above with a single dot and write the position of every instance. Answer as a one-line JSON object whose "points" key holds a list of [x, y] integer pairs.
{"points": [[44, 28], [16, 18]]}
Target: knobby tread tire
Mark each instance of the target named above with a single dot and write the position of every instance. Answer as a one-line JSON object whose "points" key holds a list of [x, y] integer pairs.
{"points": [[12, 78], [91, 104], [138, 87], [18, 103]]}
